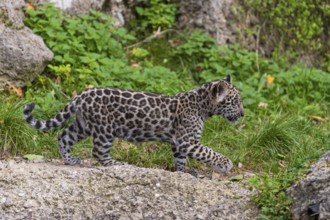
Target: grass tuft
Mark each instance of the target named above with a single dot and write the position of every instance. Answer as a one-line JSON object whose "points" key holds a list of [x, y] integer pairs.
{"points": [[17, 137], [15, 133], [276, 136]]}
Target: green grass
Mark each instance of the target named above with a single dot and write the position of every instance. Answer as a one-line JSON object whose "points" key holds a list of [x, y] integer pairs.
{"points": [[15, 135], [18, 138]]}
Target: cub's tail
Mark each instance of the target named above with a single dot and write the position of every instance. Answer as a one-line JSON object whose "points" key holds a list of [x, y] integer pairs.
{"points": [[52, 123]]}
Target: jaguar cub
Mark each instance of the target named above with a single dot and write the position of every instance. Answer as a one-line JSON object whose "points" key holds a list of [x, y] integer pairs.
{"points": [[107, 113]]}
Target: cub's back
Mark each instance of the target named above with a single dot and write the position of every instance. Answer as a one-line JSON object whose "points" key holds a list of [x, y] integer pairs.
{"points": [[132, 115]]}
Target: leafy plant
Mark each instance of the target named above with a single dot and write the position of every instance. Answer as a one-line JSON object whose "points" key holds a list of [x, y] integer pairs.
{"points": [[89, 52], [78, 43], [258, 79], [272, 197], [157, 14]]}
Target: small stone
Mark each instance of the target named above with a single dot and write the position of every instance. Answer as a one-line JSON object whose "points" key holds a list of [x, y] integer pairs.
{"points": [[9, 202], [30, 203], [200, 216], [3, 200]]}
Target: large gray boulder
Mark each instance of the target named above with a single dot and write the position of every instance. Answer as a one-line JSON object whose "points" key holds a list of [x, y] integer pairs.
{"points": [[311, 195], [54, 191], [23, 54]]}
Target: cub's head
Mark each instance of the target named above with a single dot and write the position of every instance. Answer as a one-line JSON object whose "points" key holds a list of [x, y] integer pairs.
{"points": [[226, 100]]}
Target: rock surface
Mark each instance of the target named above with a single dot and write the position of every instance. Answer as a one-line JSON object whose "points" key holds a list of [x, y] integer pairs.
{"points": [[225, 20], [311, 195], [118, 9], [49, 190], [23, 54], [11, 13]]}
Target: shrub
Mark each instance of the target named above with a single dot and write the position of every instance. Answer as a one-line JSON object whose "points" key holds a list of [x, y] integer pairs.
{"points": [[156, 14], [89, 51]]}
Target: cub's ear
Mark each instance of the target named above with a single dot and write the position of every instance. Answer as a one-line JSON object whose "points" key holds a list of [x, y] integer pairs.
{"points": [[219, 91], [228, 78]]}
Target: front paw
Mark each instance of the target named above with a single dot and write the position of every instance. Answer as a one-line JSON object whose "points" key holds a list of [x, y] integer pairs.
{"points": [[224, 167]]}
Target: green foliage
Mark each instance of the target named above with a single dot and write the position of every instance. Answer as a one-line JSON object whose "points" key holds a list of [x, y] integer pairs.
{"points": [[273, 198], [157, 14], [80, 44], [258, 79], [294, 24], [90, 51]]}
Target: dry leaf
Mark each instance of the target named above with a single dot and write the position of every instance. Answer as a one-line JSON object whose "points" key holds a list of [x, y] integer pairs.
{"points": [[29, 6], [174, 43], [281, 163], [317, 118], [18, 91], [135, 65]]}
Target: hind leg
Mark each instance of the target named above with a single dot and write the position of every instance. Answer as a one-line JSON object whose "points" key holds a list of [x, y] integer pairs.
{"points": [[101, 149], [74, 133]]}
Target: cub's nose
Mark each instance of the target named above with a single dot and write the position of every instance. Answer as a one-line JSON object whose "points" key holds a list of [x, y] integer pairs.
{"points": [[242, 113]]}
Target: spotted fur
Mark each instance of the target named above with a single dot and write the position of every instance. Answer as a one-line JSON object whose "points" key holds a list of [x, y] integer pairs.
{"points": [[107, 113]]}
